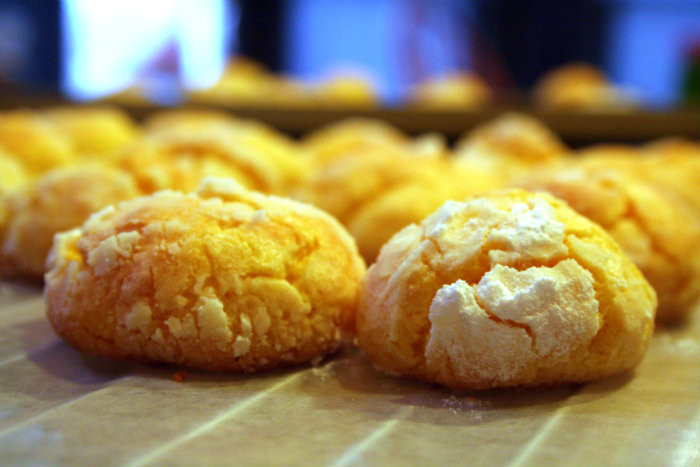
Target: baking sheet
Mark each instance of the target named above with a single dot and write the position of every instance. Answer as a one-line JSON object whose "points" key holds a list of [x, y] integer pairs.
{"points": [[575, 127], [58, 407]]}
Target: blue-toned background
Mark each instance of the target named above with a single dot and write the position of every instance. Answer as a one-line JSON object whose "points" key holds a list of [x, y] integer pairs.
{"points": [[92, 48]]}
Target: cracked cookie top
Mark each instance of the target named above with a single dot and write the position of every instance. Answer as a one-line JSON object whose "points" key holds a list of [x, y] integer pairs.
{"points": [[222, 279], [512, 144], [658, 231], [351, 136], [508, 289], [178, 158]]}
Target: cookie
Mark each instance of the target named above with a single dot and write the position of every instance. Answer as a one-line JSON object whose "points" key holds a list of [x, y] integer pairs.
{"points": [[179, 158], [35, 142], [376, 194], [248, 83], [509, 289], [12, 173], [58, 200], [224, 279], [457, 91], [344, 90], [660, 233], [672, 165], [580, 86], [352, 136], [94, 131], [512, 145]]}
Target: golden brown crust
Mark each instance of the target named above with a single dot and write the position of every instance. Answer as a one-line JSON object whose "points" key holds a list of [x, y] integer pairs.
{"points": [[660, 233], [59, 200], [223, 280], [510, 289]]}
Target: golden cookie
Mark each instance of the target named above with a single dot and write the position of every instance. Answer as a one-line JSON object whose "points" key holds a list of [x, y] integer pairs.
{"points": [[458, 91], [199, 124], [673, 165], [580, 86], [348, 90], [673, 147], [659, 233], [181, 159], [59, 200], [245, 82], [34, 142], [352, 136], [12, 173], [94, 131], [224, 279], [510, 289], [512, 145], [240, 82], [620, 155]]}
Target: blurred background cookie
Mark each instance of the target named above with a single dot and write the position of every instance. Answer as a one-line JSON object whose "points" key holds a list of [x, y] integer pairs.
{"points": [[35, 142], [376, 193], [94, 131], [58, 200], [352, 136], [456, 91], [344, 89], [12, 173], [512, 145], [179, 157], [580, 86]]}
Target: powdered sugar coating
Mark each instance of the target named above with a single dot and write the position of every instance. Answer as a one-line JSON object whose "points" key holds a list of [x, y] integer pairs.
{"points": [[523, 315], [221, 279], [509, 289]]}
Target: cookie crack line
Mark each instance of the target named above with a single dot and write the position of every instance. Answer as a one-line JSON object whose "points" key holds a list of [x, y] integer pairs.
{"points": [[656, 246], [223, 155], [512, 323]]}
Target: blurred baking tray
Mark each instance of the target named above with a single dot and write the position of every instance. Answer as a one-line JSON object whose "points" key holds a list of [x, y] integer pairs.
{"points": [[574, 127], [58, 407]]}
